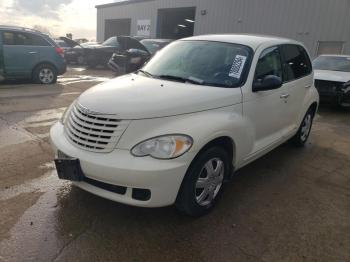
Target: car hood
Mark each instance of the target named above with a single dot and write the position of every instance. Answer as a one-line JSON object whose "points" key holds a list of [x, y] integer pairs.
{"points": [[335, 76], [138, 97]]}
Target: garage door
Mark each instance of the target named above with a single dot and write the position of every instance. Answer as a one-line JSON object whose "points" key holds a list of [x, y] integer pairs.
{"points": [[117, 27], [330, 48]]}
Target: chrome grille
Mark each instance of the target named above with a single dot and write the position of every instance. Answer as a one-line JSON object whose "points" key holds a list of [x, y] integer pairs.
{"points": [[93, 131]]}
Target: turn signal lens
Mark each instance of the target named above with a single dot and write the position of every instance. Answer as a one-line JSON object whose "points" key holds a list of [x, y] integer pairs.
{"points": [[163, 147]]}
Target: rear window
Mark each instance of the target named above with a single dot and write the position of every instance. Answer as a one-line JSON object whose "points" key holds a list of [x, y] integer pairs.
{"points": [[296, 62], [25, 39]]}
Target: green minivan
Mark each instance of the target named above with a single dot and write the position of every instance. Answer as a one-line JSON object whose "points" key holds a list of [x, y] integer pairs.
{"points": [[29, 54]]}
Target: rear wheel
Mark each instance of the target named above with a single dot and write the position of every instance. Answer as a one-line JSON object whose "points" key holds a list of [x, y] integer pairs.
{"points": [[45, 74], [304, 130], [203, 183]]}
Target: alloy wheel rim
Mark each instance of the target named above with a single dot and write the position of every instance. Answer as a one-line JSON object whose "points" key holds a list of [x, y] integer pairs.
{"points": [[46, 75], [305, 130], [209, 181]]}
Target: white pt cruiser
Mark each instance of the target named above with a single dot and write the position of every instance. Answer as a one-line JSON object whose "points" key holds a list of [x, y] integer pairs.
{"points": [[174, 131]]}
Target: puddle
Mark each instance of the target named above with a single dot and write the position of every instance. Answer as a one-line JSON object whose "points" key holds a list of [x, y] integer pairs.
{"points": [[47, 182], [33, 238], [13, 134], [14, 126], [81, 78]]}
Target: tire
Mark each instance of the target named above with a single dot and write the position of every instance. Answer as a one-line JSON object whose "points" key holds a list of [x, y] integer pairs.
{"points": [[80, 60], [45, 74], [201, 190], [303, 133]]}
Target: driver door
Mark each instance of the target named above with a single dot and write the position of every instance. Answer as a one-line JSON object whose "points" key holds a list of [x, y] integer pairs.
{"points": [[265, 109]]}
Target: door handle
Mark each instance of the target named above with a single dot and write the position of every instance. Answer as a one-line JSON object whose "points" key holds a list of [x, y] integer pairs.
{"points": [[33, 53], [307, 86], [284, 96]]}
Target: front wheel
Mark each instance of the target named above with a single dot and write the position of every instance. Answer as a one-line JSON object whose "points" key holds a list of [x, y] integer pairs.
{"points": [[203, 183], [303, 133]]}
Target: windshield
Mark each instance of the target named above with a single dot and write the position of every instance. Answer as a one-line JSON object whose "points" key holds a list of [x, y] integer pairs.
{"points": [[201, 62], [332, 63], [111, 42], [153, 46]]}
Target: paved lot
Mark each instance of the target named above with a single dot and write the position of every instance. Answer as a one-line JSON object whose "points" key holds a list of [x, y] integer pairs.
{"points": [[291, 205]]}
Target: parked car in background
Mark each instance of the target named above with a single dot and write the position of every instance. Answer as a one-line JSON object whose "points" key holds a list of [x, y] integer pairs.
{"points": [[332, 79], [29, 54], [65, 46], [89, 44], [154, 45], [130, 56], [174, 131], [74, 52], [134, 58], [100, 54]]}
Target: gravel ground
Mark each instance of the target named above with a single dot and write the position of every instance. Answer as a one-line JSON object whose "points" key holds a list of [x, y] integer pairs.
{"points": [[291, 205]]}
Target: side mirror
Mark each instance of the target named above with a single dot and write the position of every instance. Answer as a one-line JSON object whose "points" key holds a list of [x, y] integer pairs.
{"points": [[270, 82]]}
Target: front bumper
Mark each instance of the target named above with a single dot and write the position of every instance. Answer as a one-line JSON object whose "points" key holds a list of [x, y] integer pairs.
{"points": [[162, 177], [334, 92]]}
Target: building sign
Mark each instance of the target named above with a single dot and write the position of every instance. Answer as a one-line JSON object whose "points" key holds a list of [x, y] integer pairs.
{"points": [[144, 27]]}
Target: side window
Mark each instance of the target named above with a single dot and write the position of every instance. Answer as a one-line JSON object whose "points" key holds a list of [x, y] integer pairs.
{"points": [[18, 38], [23, 39], [296, 62], [8, 38], [269, 64], [39, 40]]}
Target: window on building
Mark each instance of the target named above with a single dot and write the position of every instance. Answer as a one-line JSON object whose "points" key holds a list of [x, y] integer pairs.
{"points": [[330, 48]]}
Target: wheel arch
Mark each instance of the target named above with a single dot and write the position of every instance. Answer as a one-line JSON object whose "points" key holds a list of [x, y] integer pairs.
{"points": [[43, 63], [225, 142], [314, 107]]}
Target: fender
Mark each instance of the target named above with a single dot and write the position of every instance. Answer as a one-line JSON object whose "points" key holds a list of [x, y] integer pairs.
{"points": [[311, 97]]}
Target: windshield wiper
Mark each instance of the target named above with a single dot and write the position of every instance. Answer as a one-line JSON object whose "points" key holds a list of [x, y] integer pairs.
{"points": [[182, 79], [145, 73]]}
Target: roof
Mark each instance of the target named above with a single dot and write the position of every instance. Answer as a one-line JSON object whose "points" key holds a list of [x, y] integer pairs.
{"points": [[122, 2], [253, 41], [19, 28]]}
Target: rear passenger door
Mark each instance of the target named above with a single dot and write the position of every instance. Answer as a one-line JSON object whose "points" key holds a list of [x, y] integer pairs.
{"points": [[298, 78], [20, 53]]}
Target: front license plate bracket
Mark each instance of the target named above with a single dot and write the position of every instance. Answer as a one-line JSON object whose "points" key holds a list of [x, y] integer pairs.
{"points": [[69, 169]]}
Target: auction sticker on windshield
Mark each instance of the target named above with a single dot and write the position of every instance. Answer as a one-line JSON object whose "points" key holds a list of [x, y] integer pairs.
{"points": [[237, 66]]}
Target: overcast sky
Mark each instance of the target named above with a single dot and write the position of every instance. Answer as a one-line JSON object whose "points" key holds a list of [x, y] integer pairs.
{"points": [[59, 16]]}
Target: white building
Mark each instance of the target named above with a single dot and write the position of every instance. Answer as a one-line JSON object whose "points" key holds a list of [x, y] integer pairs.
{"points": [[323, 25]]}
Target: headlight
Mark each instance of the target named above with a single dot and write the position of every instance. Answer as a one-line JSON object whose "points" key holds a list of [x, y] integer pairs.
{"points": [[65, 115], [163, 147]]}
